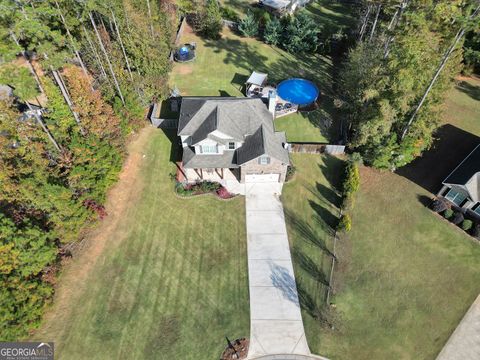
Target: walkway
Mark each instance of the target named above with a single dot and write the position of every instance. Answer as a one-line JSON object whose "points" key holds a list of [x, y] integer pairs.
{"points": [[464, 343], [276, 325]]}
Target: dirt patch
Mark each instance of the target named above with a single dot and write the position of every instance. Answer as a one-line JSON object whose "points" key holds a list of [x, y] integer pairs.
{"points": [[120, 197], [237, 349], [184, 69]]}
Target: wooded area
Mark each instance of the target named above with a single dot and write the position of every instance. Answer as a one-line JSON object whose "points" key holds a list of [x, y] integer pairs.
{"points": [[407, 55], [82, 75]]}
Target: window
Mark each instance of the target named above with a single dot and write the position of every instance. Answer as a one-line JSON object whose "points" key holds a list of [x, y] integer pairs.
{"points": [[476, 209], [264, 160], [231, 146], [208, 149], [455, 197]]}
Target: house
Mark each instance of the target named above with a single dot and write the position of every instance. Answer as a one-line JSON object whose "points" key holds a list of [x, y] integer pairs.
{"points": [[462, 186], [282, 7], [228, 139]]}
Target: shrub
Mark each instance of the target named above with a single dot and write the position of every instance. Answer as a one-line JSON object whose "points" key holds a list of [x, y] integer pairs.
{"points": [[300, 34], [351, 184], [223, 193], [457, 217], [476, 231], [447, 214], [211, 20], [248, 26], [345, 223], [291, 170], [348, 202], [439, 205], [229, 14], [467, 224], [273, 32]]}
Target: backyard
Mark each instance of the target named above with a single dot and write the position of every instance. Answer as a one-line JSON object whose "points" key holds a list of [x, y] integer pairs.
{"points": [[222, 66], [404, 278], [171, 282]]}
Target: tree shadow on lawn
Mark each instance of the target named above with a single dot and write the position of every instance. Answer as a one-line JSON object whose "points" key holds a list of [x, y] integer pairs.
{"points": [[314, 67], [332, 169], [471, 90], [448, 150], [175, 148], [310, 267], [308, 233]]}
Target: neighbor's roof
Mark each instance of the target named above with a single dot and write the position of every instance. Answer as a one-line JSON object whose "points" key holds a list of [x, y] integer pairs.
{"points": [[276, 4], [257, 78], [467, 174]]}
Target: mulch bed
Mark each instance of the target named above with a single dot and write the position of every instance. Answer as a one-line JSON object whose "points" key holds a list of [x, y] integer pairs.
{"points": [[240, 351]]}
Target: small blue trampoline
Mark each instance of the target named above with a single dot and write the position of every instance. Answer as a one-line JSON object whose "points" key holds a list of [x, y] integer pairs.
{"points": [[298, 91]]}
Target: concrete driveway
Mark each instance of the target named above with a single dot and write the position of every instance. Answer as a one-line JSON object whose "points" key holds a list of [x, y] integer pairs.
{"points": [[276, 325]]}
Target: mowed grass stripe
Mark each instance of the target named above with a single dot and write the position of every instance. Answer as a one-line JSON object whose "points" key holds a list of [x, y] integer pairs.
{"points": [[173, 286]]}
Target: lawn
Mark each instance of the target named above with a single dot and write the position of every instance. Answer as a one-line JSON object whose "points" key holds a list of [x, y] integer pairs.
{"points": [[171, 282], [222, 67], [405, 277], [311, 208]]}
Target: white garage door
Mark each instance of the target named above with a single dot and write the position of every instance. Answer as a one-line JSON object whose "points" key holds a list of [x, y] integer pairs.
{"points": [[263, 178]]}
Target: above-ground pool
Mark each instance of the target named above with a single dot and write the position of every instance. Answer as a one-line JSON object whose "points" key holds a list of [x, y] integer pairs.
{"points": [[298, 91]]}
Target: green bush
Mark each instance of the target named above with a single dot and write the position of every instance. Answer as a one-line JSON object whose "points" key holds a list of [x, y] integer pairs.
{"points": [[248, 26], [272, 34], [447, 214], [344, 224], [291, 170], [211, 20], [467, 224], [229, 14], [457, 218], [348, 202], [351, 184]]}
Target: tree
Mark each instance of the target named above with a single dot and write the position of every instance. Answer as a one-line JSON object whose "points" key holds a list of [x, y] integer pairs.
{"points": [[300, 34], [273, 32], [248, 26], [211, 19], [393, 84]]}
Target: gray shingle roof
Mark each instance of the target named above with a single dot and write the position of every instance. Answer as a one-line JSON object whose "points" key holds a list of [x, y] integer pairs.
{"points": [[193, 161], [243, 119]]}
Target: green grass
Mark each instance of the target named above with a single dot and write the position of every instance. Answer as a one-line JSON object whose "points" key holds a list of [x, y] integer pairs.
{"points": [[311, 208], [462, 105], [405, 277], [222, 67], [172, 282]]}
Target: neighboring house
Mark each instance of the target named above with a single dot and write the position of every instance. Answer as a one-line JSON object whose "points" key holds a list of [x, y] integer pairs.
{"points": [[230, 139], [462, 186], [282, 7]]}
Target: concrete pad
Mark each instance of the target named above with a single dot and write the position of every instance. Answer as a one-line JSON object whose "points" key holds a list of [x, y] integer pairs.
{"points": [[270, 303], [268, 247], [285, 338], [275, 316], [266, 272], [265, 222], [464, 344]]}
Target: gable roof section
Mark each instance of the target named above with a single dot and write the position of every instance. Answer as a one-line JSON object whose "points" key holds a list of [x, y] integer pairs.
{"points": [[236, 117], [467, 174], [262, 142], [209, 125]]}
